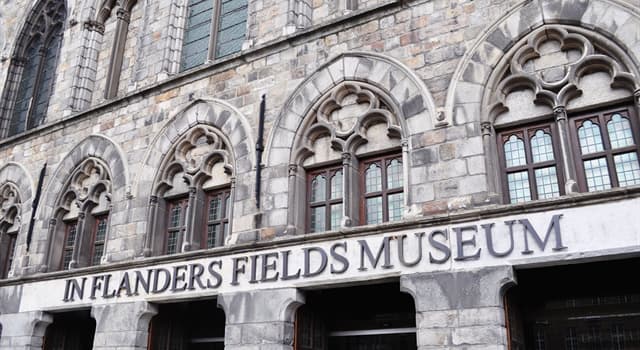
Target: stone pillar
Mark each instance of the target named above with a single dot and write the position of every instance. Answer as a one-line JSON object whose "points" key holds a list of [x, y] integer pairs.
{"points": [[458, 310], [570, 185], [491, 162], [24, 331], [260, 320], [123, 326]]}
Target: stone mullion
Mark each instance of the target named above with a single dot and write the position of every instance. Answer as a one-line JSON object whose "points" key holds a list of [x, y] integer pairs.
{"points": [[117, 53], [405, 175], [232, 200], [175, 27], [191, 218], [11, 92], [568, 160], [51, 231], [105, 257], [79, 240], [152, 226], [350, 215], [296, 199], [491, 162], [84, 80]]}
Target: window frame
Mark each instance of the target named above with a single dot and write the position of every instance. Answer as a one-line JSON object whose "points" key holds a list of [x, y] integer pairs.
{"points": [[384, 161], [222, 221], [602, 117], [9, 249], [329, 171], [94, 233], [214, 30], [183, 202], [526, 133]]}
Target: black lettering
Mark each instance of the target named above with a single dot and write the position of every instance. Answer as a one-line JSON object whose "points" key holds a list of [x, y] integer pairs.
{"points": [[401, 244], [96, 285], [179, 276], [124, 285], [554, 227], [307, 261], [254, 268], [194, 276], [285, 267], [439, 246], [488, 232], [216, 276], [237, 269], [365, 250], [106, 293], [339, 258], [156, 280], [141, 281], [268, 267], [460, 242], [67, 284]]}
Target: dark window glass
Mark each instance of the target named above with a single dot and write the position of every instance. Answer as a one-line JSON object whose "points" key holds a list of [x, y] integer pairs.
{"points": [[196, 325], [69, 242], [7, 253], [46, 80], [99, 236], [177, 211], [24, 98], [383, 197], [217, 219], [324, 202], [230, 23], [530, 165]]}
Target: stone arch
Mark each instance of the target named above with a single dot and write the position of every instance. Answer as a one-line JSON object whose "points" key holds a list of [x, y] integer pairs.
{"points": [[15, 176], [230, 129], [415, 105], [106, 155], [610, 19]]}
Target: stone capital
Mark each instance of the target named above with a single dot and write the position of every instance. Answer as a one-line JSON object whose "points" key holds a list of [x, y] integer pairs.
{"points": [[560, 113]]}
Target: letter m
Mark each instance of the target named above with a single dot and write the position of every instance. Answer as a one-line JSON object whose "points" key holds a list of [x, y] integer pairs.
{"points": [[554, 228]]}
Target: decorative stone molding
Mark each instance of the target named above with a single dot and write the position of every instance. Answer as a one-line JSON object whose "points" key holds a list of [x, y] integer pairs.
{"points": [[10, 208], [88, 182]]}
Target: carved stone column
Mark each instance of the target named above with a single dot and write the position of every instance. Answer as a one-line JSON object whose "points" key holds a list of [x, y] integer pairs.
{"points": [[151, 226], [190, 220], [51, 231], [117, 53], [349, 211], [78, 243], [293, 212], [570, 185], [24, 330], [260, 320], [122, 326], [491, 161], [461, 309]]}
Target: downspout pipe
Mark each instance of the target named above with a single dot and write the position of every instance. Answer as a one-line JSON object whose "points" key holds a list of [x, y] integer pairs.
{"points": [[259, 150]]}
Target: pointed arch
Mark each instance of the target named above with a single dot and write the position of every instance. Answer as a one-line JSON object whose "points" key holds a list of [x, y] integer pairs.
{"points": [[204, 138], [32, 71], [16, 188]]}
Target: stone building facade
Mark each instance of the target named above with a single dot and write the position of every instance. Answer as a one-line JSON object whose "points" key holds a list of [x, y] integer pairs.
{"points": [[434, 174]]}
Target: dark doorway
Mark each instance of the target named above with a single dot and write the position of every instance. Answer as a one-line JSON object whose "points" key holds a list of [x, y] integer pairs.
{"points": [[194, 325], [70, 331], [372, 317], [590, 306]]}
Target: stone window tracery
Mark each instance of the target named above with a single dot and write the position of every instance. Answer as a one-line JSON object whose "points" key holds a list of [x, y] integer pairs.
{"points": [[10, 222], [345, 135], [32, 72], [555, 75], [80, 226], [191, 205]]}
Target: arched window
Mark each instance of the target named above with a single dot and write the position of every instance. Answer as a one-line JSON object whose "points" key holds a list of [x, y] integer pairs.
{"points": [[191, 204], [553, 134], [10, 222], [35, 62], [81, 219], [214, 29], [351, 153]]}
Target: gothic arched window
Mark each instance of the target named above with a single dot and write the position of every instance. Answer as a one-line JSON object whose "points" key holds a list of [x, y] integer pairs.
{"points": [[9, 226], [34, 66], [191, 204], [81, 222]]}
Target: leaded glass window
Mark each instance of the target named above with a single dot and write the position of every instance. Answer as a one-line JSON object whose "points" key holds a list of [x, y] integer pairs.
{"points": [[214, 29], [530, 164], [8, 251], [69, 242], [325, 191], [217, 219], [38, 58], [99, 237], [177, 211], [607, 155], [383, 191]]}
